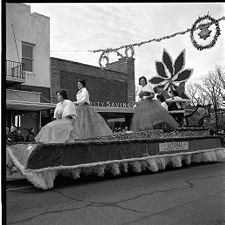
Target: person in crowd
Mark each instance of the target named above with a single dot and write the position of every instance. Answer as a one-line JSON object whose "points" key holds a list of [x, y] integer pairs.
{"points": [[212, 132], [148, 113], [115, 130], [20, 137], [61, 130], [126, 128], [12, 137], [30, 137], [88, 123], [162, 101]]}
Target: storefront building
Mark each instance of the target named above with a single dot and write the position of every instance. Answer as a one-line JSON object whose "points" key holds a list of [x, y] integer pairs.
{"points": [[32, 77], [112, 89], [27, 68]]}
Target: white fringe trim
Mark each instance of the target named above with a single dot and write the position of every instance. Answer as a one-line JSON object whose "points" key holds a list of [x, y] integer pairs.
{"points": [[44, 178]]}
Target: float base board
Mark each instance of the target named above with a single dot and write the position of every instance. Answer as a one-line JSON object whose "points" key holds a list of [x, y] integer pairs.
{"points": [[42, 163]]}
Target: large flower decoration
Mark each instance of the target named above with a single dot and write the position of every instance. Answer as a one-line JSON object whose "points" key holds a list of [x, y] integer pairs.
{"points": [[170, 74]]}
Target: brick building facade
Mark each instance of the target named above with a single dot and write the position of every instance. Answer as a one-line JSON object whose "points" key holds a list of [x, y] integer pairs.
{"points": [[114, 84], [112, 89]]}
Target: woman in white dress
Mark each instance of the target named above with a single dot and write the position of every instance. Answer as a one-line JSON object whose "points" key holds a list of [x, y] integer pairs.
{"points": [[61, 130], [148, 113], [88, 123]]}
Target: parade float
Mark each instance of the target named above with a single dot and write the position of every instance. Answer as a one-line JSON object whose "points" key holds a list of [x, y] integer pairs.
{"points": [[150, 150]]}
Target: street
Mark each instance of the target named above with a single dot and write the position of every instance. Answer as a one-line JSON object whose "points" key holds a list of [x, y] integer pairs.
{"points": [[186, 196]]}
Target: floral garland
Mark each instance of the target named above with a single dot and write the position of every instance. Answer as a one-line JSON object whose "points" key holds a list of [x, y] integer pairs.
{"points": [[194, 27], [105, 52], [148, 136]]}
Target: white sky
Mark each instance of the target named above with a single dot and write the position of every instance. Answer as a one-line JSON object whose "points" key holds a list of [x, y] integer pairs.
{"points": [[86, 26]]}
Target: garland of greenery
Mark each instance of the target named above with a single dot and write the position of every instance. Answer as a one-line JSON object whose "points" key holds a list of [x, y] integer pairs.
{"points": [[194, 27], [105, 52], [104, 55], [131, 48]]}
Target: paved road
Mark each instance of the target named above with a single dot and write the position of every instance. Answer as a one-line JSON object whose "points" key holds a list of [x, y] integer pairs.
{"points": [[186, 196]]}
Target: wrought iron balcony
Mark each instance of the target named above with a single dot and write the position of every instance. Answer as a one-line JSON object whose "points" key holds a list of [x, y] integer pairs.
{"points": [[14, 72]]}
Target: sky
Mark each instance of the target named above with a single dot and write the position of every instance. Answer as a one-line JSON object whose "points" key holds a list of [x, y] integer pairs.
{"points": [[76, 28]]}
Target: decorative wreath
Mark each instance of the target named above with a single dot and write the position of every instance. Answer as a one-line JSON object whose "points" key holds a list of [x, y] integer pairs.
{"points": [[102, 57], [193, 28], [104, 54]]}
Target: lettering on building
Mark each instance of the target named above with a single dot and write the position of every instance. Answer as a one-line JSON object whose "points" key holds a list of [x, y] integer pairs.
{"points": [[112, 104]]}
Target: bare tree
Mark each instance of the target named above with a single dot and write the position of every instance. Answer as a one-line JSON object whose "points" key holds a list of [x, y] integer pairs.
{"points": [[213, 89], [221, 74], [196, 96]]}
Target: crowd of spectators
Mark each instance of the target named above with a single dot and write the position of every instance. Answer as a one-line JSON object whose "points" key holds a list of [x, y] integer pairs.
{"points": [[15, 135], [120, 129]]}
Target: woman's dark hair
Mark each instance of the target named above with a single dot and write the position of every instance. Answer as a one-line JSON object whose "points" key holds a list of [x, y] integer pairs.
{"points": [[63, 93], [144, 78], [83, 82], [161, 98]]}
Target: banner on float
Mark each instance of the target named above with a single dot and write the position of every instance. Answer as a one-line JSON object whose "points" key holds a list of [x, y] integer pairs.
{"points": [[173, 146]]}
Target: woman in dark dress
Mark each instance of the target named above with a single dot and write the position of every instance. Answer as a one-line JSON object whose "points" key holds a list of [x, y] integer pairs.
{"points": [[88, 123]]}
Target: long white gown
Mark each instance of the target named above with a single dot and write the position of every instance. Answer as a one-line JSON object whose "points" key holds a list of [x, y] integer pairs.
{"points": [[61, 130]]}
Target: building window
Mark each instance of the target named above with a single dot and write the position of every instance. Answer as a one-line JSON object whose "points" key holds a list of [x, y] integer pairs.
{"points": [[27, 56]]}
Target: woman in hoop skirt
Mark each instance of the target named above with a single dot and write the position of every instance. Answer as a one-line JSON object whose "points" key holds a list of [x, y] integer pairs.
{"points": [[148, 113], [88, 123], [61, 130]]}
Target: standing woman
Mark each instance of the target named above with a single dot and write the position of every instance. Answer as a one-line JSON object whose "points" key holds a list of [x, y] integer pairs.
{"points": [[88, 123], [148, 113], [61, 130]]}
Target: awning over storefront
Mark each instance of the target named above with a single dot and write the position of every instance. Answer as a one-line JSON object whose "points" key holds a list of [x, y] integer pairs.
{"points": [[28, 106]]}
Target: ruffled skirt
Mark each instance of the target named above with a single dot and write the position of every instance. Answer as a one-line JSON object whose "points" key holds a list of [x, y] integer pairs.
{"points": [[90, 123], [150, 115], [58, 131]]}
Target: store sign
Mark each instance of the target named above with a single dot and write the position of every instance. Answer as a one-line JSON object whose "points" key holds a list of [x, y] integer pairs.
{"points": [[173, 146], [112, 104]]}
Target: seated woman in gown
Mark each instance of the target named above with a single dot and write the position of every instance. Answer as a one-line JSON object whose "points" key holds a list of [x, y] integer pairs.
{"points": [[61, 130], [88, 123], [148, 113]]}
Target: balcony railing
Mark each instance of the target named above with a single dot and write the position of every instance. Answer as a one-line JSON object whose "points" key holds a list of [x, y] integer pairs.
{"points": [[14, 69]]}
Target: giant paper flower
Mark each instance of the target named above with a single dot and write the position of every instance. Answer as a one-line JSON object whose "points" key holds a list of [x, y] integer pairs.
{"points": [[170, 74]]}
